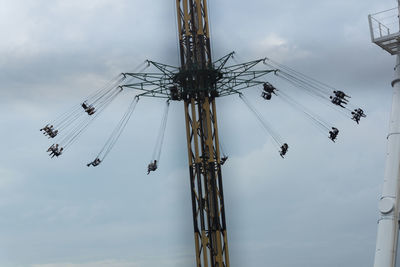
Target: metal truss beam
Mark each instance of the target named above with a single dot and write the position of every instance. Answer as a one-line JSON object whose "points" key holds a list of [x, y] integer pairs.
{"points": [[209, 222]]}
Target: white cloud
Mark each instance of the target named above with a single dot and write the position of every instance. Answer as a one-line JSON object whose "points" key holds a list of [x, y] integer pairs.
{"points": [[279, 48], [273, 41]]}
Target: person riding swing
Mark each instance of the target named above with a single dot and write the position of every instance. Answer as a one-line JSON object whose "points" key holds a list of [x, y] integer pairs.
{"points": [[338, 101], [94, 163], [284, 149], [357, 114], [54, 150], [269, 89], [341, 95], [89, 109], [333, 134], [152, 167]]}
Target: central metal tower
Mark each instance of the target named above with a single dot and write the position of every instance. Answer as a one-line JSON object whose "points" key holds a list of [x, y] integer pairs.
{"points": [[197, 79]]}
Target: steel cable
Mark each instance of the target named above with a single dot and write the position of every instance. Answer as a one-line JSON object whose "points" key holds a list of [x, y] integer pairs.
{"points": [[161, 133], [111, 141], [275, 136], [318, 121]]}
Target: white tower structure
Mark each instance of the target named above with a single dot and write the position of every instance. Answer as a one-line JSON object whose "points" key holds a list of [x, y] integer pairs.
{"points": [[384, 27]]}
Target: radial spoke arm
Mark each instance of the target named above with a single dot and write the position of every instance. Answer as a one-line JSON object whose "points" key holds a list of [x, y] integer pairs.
{"points": [[222, 61], [231, 73], [164, 68], [244, 66], [151, 84], [236, 81]]}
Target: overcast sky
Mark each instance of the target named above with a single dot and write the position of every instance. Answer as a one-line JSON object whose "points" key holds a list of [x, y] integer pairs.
{"points": [[317, 207]]}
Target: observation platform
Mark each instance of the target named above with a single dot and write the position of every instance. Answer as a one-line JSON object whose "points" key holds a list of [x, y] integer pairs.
{"points": [[385, 30]]}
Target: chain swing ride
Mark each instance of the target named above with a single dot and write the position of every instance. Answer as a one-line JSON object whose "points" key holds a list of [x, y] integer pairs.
{"points": [[197, 83]]}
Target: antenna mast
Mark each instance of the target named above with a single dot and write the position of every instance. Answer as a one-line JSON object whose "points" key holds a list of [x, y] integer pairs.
{"points": [[388, 38]]}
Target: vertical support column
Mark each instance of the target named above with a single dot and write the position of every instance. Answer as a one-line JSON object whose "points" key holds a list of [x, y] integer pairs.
{"points": [[194, 33], [225, 250], [202, 135], [209, 223], [388, 224]]}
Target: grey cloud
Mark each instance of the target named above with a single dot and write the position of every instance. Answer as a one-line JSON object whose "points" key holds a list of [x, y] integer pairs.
{"points": [[316, 207]]}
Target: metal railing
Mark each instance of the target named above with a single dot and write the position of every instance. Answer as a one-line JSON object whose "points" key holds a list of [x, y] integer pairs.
{"points": [[384, 23]]}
